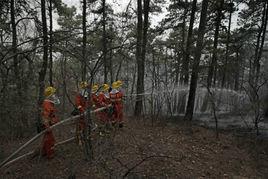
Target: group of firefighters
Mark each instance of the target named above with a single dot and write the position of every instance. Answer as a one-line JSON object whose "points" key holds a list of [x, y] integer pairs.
{"points": [[103, 96]]}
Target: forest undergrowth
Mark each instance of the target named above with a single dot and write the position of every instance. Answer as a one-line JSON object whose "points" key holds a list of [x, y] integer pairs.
{"points": [[159, 150]]}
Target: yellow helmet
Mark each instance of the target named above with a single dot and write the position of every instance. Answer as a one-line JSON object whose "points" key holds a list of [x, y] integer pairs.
{"points": [[83, 84], [105, 87], [114, 85], [119, 83], [95, 87], [49, 91]]}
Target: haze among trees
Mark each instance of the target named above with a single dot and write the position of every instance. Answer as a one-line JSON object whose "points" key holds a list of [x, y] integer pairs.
{"points": [[204, 64]]}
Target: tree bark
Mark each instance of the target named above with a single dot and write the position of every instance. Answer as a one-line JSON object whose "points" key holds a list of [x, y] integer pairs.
{"points": [[237, 71], [111, 65], [14, 49], [195, 69], [212, 67], [223, 84], [166, 66], [50, 43], [140, 63], [264, 26], [183, 41], [84, 61], [177, 56], [104, 41], [254, 63], [42, 73], [87, 131], [118, 71], [185, 64]]}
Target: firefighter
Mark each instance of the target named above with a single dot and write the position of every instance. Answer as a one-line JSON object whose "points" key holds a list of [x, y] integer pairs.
{"points": [[103, 116], [81, 98], [106, 92], [116, 96], [94, 95], [119, 84], [103, 101], [98, 100], [81, 103], [105, 89], [49, 118]]}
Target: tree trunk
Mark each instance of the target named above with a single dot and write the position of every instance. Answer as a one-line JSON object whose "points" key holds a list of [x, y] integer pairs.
{"points": [[140, 63], [254, 63], [50, 43], [1, 31], [242, 74], [104, 41], [226, 52], [212, 67], [14, 49], [87, 131], [183, 40], [185, 64], [264, 26], [64, 90], [118, 71], [140, 81], [64, 86], [42, 73], [134, 79], [195, 69], [111, 65], [178, 59], [266, 107], [237, 71], [84, 61], [166, 67]]}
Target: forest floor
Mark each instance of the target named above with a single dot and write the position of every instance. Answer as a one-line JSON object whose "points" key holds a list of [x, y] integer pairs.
{"points": [[143, 150]]}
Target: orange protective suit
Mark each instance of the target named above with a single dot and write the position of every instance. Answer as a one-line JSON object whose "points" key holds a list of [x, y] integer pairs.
{"points": [[49, 118], [81, 103], [94, 100], [116, 100], [102, 102]]}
